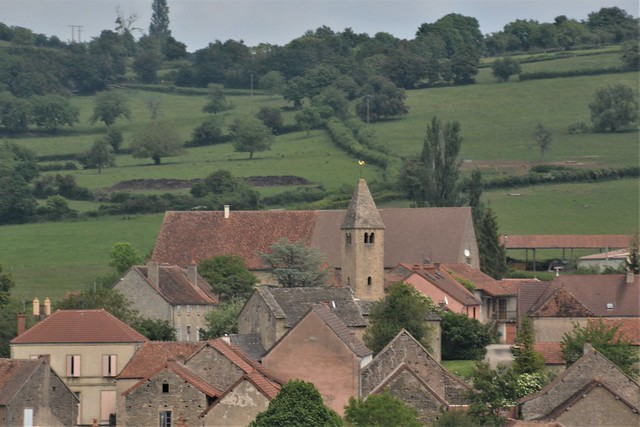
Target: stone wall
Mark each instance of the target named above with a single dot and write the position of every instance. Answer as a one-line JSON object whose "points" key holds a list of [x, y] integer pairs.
{"points": [[411, 391], [599, 408], [145, 299], [237, 408], [256, 318], [145, 403], [215, 368]]}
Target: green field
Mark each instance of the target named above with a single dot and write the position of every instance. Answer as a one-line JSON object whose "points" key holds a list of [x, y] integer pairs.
{"points": [[497, 119]]}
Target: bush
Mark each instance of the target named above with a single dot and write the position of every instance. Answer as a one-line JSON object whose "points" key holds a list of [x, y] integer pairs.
{"points": [[343, 137], [578, 128], [463, 338]]}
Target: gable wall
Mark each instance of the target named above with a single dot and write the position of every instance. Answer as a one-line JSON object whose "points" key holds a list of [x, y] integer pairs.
{"points": [[256, 318], [408, 389], [436, 294], [552, 329], [311, 351], [190, 318], [404, 350], [574, 379], [143, 297], [215, 368], [52, 403], [237, 408], [144, 404], [598, 408]]}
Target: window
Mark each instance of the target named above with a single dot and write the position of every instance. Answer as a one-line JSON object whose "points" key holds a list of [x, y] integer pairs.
{"points": [[188, 310], [178, 310], [371, 237], [369, 281], [27, 417], [77, 393], [107, 404], [366, 237], [165, 419], [165, 387], [188, 333], [502, 309], [348, 238], [109, 365], [73, 365], [179, 332]]}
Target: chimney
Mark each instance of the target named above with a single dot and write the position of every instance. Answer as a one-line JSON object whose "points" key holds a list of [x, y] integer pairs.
{"points": [[47, 307], [437, 267], [21, 323], [192, 274], [630, 277], [153, 272], [36, 307], [227, 211]]}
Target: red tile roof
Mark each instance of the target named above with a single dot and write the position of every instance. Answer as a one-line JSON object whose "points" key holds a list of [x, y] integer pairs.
{"points": [[411, 234], [175, 287], [561, 241], [80, 326], [153, 355], [629, 328], [551, 352]]}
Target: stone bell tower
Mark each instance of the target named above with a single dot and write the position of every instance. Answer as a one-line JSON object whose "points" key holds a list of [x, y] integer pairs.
{"points": [[362, 234]]}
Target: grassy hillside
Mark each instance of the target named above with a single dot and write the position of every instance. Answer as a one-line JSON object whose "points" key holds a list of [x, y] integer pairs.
{"points": [[497, 120]]}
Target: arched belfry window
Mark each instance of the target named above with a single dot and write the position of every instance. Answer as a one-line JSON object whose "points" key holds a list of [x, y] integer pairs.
{"points": [[366, 237], [371, 237], [369, 281]]}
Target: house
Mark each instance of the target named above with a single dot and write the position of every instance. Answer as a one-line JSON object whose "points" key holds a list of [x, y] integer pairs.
{"points": [[167, 292], [591, 392], [271, 311], [87, 348], [320, 349], [413, 375], [31, 393], [605, 260], [189, 383], [556, 306], [410, 235], [436, 283]]}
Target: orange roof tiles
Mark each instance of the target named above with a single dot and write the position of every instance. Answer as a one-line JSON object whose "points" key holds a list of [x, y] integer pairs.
{"points": [[551, 352], [80, 326], [153, 355]]}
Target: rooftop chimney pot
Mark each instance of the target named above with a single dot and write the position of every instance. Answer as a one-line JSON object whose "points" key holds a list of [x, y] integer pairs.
{"points": [[36, 307], [227, 211]]}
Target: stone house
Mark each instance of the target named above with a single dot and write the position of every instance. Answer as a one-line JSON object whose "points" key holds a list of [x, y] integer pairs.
{"points": [[167, 292], [556, 306], [271, 311], [591, 392], [436, 283], [320, 349], [413, 375], [31, 393], [181, 382], [87, 348]]}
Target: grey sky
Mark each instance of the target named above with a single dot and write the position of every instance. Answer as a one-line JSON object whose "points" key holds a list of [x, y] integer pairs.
{"points": [[198, 22]]}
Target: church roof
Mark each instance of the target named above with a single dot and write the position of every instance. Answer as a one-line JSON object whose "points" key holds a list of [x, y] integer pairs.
{"points": [[362, 211]]}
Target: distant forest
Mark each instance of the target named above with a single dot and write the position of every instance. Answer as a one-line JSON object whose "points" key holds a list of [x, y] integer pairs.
{"points": [[446, 52]]}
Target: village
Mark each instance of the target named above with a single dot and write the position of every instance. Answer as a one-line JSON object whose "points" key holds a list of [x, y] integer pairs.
{"points": [[86, 367]]}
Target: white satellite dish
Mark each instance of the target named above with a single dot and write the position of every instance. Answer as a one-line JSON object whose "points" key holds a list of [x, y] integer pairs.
{"points": [[467, 253]]}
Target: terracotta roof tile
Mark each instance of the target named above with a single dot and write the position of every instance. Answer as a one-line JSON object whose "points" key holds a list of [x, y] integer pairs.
{"points": [[411, 234], [174, 286], [560, 241], [14, 374], [153, 355], [80, 326], [629, 328], [551, 352], [268, 388]]}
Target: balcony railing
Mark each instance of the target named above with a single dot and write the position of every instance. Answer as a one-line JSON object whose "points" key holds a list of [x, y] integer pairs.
{"points": [[504, 315]]}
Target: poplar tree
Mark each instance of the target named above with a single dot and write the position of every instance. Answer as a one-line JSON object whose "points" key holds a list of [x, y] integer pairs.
{"points": [[159, 26]]}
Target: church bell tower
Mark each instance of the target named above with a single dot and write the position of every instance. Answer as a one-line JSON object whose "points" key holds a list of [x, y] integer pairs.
{"points": [[362, 233]]}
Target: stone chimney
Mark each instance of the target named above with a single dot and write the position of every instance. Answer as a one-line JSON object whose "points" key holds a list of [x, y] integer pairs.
{"points": [[192, 274], [630, 277], [36, 307], [227, 211], [22, 322], [153, 272], [47, 307]]}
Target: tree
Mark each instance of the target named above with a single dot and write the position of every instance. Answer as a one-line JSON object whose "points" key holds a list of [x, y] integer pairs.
{"points": [[493, 391], [114, 137], [463, 338], [631, 55], [542, 138], [155, 329], [384, 100], [15, 113], [298, 403], [159, 26], [607, 339], [335, 99], [493, 260], [632, 263], [108, 299], [402, 308], [156, 141], [614, 108], [221, 188], [455, 418], [296, 264], [53, 111], [99, 155], [251, 135], [381, 409], [228, 276], [109, 107], [503, 68], [273, 82], [431, 179], [124, 256], [17, 168], [217, 100], [146, 65], [208, 133], [6, 285], [224, 319], [309, 118], [272, 118], [527, 359]]}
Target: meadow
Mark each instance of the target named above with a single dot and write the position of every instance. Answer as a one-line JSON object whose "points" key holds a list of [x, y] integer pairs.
{"points": [[496, 119]]}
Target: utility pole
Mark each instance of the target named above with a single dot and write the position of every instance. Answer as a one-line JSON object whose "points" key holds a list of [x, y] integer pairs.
{"points": [[73, 28]]}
